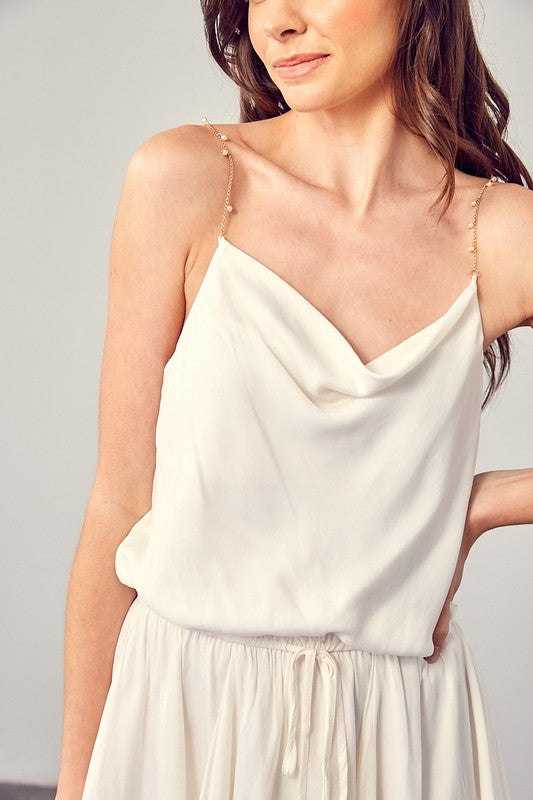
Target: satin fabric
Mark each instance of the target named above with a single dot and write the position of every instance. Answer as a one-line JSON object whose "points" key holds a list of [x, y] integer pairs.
{"points": [[297, 490]]}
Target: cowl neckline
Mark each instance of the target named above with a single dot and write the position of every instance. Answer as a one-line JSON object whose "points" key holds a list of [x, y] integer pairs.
{"points": [[392, 363]]}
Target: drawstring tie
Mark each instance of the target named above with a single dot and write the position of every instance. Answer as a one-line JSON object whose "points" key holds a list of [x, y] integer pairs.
{"points": [[329, 671]]}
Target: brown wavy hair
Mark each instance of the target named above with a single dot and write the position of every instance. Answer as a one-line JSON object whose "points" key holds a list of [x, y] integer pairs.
{"points": [[441, 89]]}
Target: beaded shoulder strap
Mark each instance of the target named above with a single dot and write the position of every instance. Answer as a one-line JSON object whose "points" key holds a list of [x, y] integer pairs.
{"points": [[225, 152], [475, 203]]}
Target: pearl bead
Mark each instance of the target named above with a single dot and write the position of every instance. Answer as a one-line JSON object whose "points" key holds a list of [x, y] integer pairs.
{"points": [[471, 248], [224, 151], [229, 208], [473, 203], [494, 179], [470, 224], [223, 137], [204, 120]]}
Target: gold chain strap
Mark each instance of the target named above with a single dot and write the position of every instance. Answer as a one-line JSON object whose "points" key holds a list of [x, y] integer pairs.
{"points": [[225, 152], [473, 224], [228, 208]]}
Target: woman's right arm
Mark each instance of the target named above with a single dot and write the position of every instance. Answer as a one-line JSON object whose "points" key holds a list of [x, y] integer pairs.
{"points": [[151, 241]]}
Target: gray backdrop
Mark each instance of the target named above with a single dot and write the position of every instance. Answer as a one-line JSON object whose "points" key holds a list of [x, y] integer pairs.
{"points": [[83, 85]]}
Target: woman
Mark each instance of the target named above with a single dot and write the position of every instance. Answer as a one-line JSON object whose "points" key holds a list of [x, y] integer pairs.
{"points": [[271, 589]]}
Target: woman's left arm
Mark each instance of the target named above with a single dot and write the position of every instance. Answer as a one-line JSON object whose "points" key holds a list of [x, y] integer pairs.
{"points": [[505, 497], [499, 498]]}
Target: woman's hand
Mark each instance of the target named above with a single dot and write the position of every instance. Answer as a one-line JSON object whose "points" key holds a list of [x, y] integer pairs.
{"points": [[498, 498], [443, 623], [474, 527]]}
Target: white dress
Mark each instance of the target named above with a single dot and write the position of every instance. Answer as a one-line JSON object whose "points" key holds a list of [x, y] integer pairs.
{"points": [[306, 520]]}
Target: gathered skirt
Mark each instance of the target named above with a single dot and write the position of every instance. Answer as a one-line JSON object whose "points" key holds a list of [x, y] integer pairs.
{"points": [[196, 715]]}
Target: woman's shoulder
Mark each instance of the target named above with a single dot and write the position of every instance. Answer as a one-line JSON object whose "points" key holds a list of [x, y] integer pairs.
{"points": [[197, 139], [186, 149], [509, 232], [505, 244], [185, 164]]}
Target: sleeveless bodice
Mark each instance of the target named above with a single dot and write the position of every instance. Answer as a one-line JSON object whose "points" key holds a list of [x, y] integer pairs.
{"points": [[298, 490]]}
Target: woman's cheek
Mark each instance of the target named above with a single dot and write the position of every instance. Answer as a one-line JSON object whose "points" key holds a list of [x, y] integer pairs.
{"points": [[354, 15]]}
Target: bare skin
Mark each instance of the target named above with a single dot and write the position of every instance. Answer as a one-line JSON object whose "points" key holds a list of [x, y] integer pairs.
{"points": [[334, 197]]}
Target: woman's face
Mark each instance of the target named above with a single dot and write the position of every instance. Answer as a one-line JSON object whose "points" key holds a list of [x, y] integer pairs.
{"points": [[357, 37]]}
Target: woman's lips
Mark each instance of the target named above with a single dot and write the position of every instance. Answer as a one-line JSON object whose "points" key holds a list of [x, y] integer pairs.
{"points": [[301, 68]]}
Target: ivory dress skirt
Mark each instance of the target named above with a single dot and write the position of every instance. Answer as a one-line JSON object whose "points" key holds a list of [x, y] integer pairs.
{"points": [[192, 715]]}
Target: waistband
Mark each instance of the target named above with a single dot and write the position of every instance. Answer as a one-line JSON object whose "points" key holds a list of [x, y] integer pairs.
{"points": [[328, 641]]}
